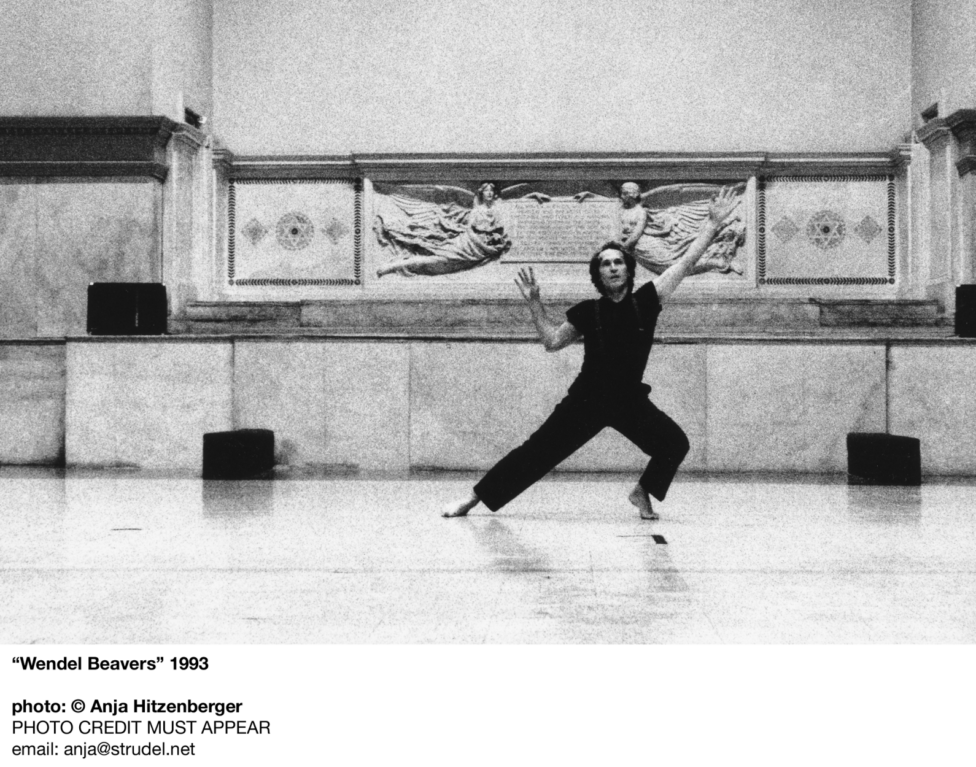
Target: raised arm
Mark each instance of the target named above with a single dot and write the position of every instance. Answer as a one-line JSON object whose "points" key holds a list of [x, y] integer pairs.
{"points": [[719, 209], [523, 191], [554, 337]]}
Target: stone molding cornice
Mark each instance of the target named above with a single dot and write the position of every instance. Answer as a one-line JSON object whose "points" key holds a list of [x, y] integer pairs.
{"points": [[85, 146], [543, 167], [933, 131], [829, 164], [963, 127], [136, 146], [901, 156], [223, 158], [191, 137], [293, 167]]}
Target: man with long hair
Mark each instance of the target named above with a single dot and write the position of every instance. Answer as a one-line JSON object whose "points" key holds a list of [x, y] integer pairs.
{"points": [[617, 331]]}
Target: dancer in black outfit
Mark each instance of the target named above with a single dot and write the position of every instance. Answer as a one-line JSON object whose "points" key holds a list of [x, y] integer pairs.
{"points": [[617, 331]]}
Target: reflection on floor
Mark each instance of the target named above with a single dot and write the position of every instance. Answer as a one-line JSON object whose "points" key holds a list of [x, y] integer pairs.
{"points": [[124, 557]]}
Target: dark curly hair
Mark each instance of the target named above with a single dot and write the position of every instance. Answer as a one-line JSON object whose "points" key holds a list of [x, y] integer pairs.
{"points": [[629, 261]]}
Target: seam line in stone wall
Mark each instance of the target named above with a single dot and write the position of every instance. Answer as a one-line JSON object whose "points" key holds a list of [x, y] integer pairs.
{"points": [[234, 404], [410, 348]]}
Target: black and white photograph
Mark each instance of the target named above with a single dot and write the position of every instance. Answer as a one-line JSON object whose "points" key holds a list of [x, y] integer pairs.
{"points": [[601, 373]]}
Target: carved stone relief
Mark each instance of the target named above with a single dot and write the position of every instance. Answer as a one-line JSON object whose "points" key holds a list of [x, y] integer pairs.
{"points": [[426, 229], [827, 231], [294, 233]]}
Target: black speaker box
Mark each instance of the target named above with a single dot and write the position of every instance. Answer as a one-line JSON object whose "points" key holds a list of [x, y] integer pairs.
{"points": [[127, 309], [966, 311], [238, 454], [883, 459]]}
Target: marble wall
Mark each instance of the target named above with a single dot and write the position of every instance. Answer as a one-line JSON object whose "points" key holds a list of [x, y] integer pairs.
{"points": [[32, 403], [329, 403], [931, 398], [472, 403], [84, 57], [550, 75], [18, 238], [943, 67], [145, 404], [391, 406], [57, 237], [790, 407]]}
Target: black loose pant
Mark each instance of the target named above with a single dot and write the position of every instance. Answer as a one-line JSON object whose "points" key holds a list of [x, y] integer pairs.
{"points": [[574, 422]]}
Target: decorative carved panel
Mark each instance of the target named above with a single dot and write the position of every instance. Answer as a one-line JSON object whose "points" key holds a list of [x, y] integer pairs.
{"points": [[294, 233], [826, 231]]}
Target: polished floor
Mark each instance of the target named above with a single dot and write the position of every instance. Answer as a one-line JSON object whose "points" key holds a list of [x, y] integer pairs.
{"points": [[125, 557]]}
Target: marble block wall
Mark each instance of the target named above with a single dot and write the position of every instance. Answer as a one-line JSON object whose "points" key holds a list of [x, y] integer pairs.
{"points": [[394, 405], [145, 404], [32, 395], [744, 407], [57, 237], [472, 403], [931, 398], [790, 407], [18, 235], [330, 403]]}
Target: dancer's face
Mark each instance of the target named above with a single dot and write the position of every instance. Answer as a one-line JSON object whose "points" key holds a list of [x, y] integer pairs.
{"points": [[613, 270]]}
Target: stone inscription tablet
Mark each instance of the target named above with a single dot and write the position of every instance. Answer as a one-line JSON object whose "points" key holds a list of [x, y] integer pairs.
{"points": [[559, 230]]}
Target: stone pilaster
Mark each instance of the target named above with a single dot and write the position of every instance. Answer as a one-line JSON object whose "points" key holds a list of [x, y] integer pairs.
{"points": [[936, 206], [963, 127], [906, 171], [187, 217]]}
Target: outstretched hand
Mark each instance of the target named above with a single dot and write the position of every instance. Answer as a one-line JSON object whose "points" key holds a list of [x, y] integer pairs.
{"points": [[722, 205], [527, 284]]}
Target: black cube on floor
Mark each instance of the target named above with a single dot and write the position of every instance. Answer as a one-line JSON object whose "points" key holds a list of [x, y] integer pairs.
{"points": [[966, 311], [883, 459], [127, 308], [237, 454]]}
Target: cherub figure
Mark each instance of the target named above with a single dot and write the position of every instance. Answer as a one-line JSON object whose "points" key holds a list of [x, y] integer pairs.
{"points": [[431, 237], [658, 236]]}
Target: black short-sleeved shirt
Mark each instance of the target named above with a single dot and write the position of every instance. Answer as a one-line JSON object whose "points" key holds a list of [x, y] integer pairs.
{"points": [[615, 351]]}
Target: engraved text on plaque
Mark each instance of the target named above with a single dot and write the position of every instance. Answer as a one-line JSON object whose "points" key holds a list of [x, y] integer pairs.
{"points": [[559, 230]]}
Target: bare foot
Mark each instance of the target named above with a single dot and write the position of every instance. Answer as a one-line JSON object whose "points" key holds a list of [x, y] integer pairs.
{"points": [[638, 496], [461, 508]]}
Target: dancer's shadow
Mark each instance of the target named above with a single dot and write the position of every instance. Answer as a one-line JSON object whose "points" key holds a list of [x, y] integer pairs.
{"points": [[662, 574]]}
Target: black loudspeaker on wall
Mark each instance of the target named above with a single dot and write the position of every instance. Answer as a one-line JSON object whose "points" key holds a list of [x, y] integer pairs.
{"points": [[127, 308], [966, 311]]}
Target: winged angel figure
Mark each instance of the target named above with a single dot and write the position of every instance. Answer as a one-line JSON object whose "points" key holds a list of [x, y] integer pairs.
{"points": [[658, 226], [444, 229]]}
